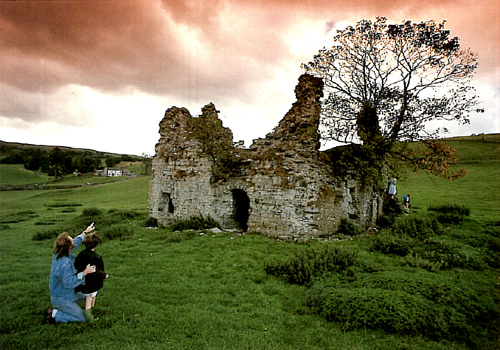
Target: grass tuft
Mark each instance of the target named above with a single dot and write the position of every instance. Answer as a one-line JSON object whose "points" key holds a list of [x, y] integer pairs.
{"points": [[195, 222]]}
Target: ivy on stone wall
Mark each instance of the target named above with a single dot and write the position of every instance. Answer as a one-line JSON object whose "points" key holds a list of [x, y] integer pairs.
{"points": [[217, 143]]}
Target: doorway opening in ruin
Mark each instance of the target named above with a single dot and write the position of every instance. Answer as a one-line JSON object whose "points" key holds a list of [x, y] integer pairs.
{"points": [[241, 208], [166, 202]]}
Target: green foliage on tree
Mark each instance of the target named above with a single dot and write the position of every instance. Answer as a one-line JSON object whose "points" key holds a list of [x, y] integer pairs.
{"points": [[128, 158], [36, 159], [87, 164], [56, 158], [15, 158], [112, 161], [147, 161]]}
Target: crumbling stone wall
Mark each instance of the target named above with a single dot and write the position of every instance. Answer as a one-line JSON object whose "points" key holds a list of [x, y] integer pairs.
{"points": [[284, 187]]}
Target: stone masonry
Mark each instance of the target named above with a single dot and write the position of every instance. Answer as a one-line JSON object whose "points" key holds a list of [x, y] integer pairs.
{"points": [[283, 187]]}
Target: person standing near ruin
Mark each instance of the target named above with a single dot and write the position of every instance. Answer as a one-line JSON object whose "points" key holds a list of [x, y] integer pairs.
{"points": [[406, 202], [392, 187]]}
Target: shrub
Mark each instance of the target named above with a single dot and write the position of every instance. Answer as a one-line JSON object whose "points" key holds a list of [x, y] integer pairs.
{"points": [[388, 243], [492, 259], [104, 219], [194, 223], [493, 230], [416, 261], [473, 238], [47, 234], [451, 255], [450, 219], [398, 302], [494, 244], [462, 210], [89, 212], [392, 207], [348, 228], [151, 222], [386, 221], [116, 231], [310, 263], [416, 227], [125, 214], [392, 311]]}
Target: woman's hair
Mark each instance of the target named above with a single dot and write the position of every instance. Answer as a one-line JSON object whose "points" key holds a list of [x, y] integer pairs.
{"points": [[91, 240], [62, 245]]}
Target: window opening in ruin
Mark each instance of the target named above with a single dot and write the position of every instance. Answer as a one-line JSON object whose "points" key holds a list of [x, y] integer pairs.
{"points": [[241, 208], [166, 202]]}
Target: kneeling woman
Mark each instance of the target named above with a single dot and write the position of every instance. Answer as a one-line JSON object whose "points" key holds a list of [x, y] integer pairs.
{"points": [[64, 278]]}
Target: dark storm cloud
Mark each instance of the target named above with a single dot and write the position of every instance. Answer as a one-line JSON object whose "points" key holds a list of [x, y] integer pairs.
{"points": [[194, 49], [104, 44], [168, 47]]}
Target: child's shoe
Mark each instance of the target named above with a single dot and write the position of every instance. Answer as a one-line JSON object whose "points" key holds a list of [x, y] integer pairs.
{"points": [[48, 316], [89, 316]]}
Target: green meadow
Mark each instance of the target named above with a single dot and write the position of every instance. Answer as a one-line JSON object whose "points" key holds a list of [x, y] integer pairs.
{"points": [[480, 189], [430, 281], [16, 174]]}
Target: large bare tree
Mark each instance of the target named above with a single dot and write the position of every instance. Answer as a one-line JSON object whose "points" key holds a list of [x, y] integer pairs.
{"points": [[392, 82]]}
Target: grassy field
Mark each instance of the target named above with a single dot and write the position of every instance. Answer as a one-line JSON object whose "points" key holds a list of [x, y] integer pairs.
{"points": [[184, 290], [480, 189], [16, 174]]}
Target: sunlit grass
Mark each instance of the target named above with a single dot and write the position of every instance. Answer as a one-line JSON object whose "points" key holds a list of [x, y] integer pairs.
{"points": [[178, 290]]}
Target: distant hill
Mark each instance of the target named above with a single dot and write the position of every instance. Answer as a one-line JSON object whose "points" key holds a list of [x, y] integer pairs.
{"points": [[41, 159], [484, 148], [8, 148], [476, 137]]}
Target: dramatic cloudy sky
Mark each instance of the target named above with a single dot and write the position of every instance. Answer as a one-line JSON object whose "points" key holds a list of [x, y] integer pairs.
{"points": [[100, 74]]}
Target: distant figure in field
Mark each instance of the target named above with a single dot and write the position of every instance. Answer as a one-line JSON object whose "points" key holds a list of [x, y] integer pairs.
{"points": [[93, 282], [392, 187], [64, 279], [406, 202]]}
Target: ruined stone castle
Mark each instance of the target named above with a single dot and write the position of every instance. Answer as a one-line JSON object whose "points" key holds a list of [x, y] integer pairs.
{"points": [[282, 186]]}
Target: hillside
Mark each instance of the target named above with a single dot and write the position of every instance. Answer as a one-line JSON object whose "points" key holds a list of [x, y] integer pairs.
{"points": [[9, 148], [479, 189], [22, 164]]}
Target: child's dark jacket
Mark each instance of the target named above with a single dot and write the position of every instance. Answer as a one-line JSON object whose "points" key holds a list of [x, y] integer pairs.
{"points": [[93, 281]]}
